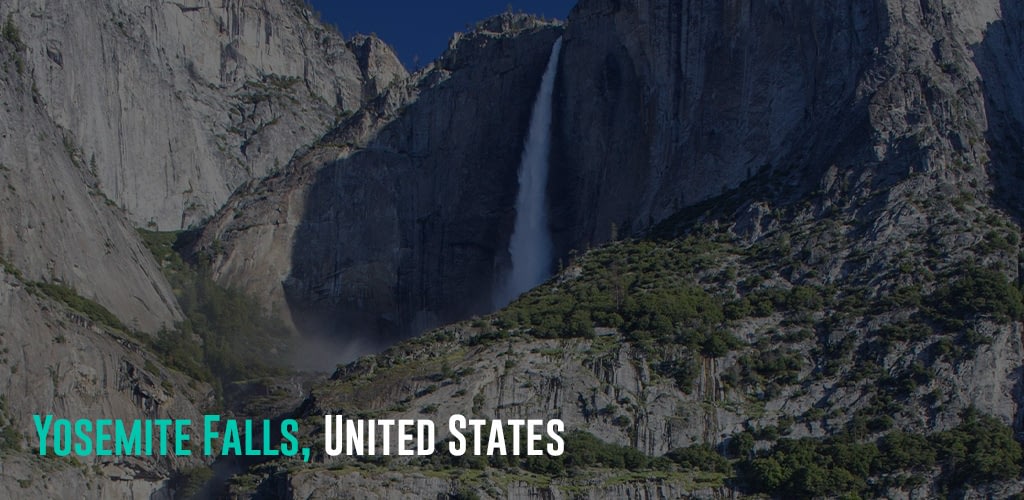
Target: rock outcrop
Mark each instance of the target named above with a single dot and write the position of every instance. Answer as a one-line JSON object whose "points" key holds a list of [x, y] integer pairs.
{"points": [[57, 361], [175, 104]]}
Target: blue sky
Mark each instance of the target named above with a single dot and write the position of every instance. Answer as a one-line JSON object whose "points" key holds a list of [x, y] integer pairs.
{"points": [[422, 29]]}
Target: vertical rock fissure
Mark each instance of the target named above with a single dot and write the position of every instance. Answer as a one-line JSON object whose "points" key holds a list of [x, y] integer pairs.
{"points": [[530, 245]]}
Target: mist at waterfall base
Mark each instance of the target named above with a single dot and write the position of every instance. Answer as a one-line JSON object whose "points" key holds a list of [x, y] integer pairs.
{"points": [[322, 346], [530, 246], [324, 353]]}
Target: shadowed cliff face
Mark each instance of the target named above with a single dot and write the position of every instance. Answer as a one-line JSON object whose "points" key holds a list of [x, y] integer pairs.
{"points": [[665, 104], [1000, 61]]}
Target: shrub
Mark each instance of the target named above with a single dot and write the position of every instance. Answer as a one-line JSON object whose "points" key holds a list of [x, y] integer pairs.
{"points": [[700, 457], [777, 366], [190, 483], [11, 33], [980, 449], [10, 438], [89, 308], [683, 371], [582, 449], [904, 451], [976, 291], [236, 334]]}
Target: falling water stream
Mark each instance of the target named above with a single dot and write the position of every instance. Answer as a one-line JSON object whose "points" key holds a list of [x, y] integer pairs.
{"points": [[530, 245]]}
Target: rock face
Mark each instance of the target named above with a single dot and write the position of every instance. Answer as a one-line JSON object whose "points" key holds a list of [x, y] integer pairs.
{"points": [[683, 100], [56, 225], [56, 361], [385, 484], [868, 157], [863, 152], [394, 222], [175, 104], [660, 105]]}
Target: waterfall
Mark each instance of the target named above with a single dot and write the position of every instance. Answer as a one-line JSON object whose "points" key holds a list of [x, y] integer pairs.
{"points": [[530, 245]]}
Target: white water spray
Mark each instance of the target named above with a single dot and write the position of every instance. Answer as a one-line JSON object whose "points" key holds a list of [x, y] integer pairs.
{"points": [[530, 245]]}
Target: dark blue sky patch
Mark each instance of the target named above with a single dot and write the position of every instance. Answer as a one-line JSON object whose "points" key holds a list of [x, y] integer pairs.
{"points": [[419, 31]]}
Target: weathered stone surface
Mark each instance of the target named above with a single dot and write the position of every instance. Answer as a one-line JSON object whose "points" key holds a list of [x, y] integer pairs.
{"points": [[870, 136], [57, 226], [412, 485], [55, 361], [178, 103], [664, 104]]}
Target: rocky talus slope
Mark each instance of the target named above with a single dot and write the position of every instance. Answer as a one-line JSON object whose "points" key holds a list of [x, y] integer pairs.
{"points": [[175, 104]]}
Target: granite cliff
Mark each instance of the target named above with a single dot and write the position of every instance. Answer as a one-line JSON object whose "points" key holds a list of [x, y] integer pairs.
{"points": [[79, 296], [394, 221], [659, 106], [109, 114], [788, 238], [175, 104], [820, 199]]}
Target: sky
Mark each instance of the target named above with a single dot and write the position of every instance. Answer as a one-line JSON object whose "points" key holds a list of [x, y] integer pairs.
{"points": [[418, 30]]}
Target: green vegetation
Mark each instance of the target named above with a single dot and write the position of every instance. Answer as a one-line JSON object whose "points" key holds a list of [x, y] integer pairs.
{"points": [[647, 289], [771, 368], [700, 457], [979, 450], [972, 291], [237, 339], [582, 449], [70, 297], [12, 36], [189, 483], [11, 33], [11, 270]]}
